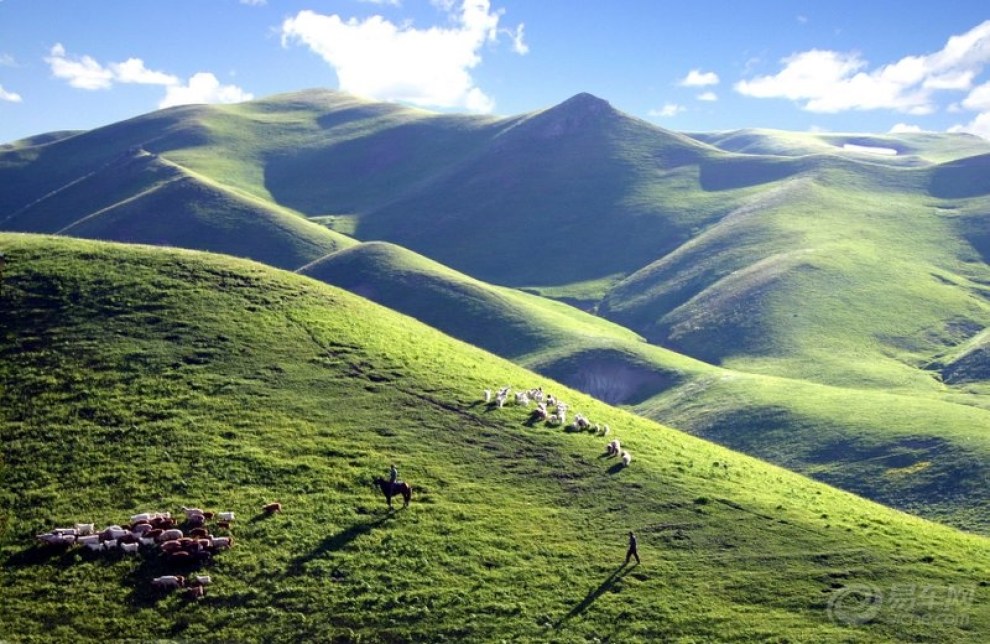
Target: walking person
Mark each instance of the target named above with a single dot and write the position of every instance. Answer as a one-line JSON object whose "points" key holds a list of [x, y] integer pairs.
{"points": [[632, 552]]}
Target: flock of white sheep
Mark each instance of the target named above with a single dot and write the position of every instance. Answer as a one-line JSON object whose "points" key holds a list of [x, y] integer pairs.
{"points": [[553, 412], [157, 534]]}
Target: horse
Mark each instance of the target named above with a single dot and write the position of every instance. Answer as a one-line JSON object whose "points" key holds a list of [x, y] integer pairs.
{"points": [[390, 489]]}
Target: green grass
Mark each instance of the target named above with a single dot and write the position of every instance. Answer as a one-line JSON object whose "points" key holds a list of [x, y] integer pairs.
{"points": [[135, 378], [847, 436]]}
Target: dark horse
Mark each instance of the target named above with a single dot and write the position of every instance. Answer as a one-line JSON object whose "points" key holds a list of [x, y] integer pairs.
{"points": [[391, 489]]}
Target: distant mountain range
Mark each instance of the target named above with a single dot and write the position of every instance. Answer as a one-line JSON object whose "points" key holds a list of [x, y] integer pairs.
{"points": [[820, 300]]}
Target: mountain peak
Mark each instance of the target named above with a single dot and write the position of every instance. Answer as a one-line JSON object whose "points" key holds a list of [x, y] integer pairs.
{"points": [[587, 102], [579, 112]]}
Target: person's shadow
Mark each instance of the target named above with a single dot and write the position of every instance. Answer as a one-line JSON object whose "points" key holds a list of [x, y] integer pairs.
{"points": [[605, 586]]}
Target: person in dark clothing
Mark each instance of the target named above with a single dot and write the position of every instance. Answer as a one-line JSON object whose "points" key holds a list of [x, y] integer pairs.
{"points": [[393, 474], [632, 552]]}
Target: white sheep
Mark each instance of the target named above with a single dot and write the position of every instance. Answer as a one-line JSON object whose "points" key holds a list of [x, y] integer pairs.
{"points": [[626, 458], [225, 516], [83, 529], [170, 534], [488, 395], [52, 539], [129, 548], [168, 582], [522, 398], [221, 542]]}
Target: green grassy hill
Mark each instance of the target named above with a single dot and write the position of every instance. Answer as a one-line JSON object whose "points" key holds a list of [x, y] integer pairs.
{"points": [[910, 148], [136, 379], [771, 262], [928, 454], [142, 198], [573, 193]]}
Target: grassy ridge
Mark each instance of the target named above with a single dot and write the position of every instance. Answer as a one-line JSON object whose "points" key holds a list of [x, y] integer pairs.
{"points": [[135, 378]]}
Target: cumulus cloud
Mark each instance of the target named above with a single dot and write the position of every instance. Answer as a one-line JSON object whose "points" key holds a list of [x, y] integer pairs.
{"points": [[10, 97], [829, 81], [84, 72], [709, 97], [668, 110], [203, 88], [978, 99], [423, 66], [904, 128], [698, 78], [980, 126], [133, 70]]}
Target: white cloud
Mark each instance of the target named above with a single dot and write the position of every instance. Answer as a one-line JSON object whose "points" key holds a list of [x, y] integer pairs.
{"points": [[255, 3], [978, 99], [668, 110], [518, 43], [980, 126], [710, 97], [84, 73], [133, 70], [829, 81], [698, 78], [6, 60], [203, 87], [423, 66], [391, 3], [10, 97], [904, 128]]}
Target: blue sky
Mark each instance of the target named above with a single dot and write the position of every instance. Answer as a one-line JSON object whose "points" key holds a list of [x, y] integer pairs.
{"points": [[686, 65]]}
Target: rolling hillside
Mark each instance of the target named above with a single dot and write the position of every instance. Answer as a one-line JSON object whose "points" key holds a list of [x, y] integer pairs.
{"points": [[927, 454], [755, 264], [136, 378]]}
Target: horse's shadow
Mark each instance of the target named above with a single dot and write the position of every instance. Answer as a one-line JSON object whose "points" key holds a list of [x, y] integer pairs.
{"points": [[336, 542], [590, 598]]}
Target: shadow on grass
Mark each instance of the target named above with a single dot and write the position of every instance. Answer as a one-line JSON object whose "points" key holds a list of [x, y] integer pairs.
{"points": [[153, 564], [336, 542], [585, 603], [37, 555], [618, 467]]}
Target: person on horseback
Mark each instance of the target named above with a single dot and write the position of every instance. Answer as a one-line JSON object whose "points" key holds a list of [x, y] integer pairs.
{"points": [[393, 475]]}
